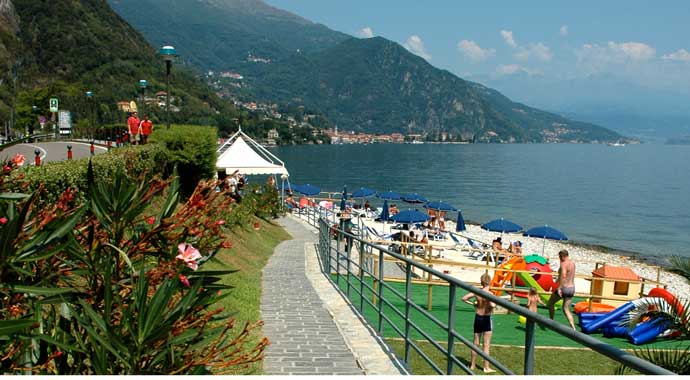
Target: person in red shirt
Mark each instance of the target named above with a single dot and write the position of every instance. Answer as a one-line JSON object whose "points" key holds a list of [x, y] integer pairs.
{"points": [[133, 128], [146, 127]]}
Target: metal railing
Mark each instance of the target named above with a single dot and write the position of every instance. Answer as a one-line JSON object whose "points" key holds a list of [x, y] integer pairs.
{"points": [[356, 272]]}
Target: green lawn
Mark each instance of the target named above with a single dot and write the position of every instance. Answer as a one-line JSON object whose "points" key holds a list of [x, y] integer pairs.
{"points": [[507, 331], [249, 254], [548, 361]]}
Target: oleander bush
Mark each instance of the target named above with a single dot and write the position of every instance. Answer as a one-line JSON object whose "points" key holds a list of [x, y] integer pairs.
{"points": [[55, 177], [114, 286], [190, 148]]}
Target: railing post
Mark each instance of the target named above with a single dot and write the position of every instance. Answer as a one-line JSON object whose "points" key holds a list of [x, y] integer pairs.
{"points": [[408, 300], [529, 346], [451, 327], [361, 276], [380, 300], [330, 249], [337, 258], [348, 249]]}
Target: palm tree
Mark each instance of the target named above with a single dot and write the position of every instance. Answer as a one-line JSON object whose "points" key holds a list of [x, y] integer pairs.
{"points": [[676, 316]]}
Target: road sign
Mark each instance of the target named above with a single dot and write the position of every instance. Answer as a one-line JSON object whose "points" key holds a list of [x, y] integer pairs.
{"points": [[65, 122], [53, 104]]}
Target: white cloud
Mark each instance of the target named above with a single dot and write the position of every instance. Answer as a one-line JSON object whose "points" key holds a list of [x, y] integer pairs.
{"points": [[680, 55], [415, 45], [615, 52], [636, 51], [507, 69], [614, 57], [511, 69], [508, 37], [366, 32], [564, 30], [474, 52], [539, 51]]}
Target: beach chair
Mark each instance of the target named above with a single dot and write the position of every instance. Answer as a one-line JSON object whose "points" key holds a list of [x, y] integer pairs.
{"points": [[375, 235]]}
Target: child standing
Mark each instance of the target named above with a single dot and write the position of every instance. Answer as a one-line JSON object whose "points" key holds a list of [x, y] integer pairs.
{"points": [[483, 309], [533, 300]]}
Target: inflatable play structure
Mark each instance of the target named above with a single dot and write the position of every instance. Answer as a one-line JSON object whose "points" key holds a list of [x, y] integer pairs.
{"points": [[543, 283], [611, 322]]}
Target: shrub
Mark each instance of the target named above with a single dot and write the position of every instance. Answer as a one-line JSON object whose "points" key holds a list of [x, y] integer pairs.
{"points": [[192, 149], [55, 177], [109, 287]]}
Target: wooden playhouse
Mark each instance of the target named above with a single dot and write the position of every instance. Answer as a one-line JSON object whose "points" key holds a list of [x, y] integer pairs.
{"points": [[617, 282]]}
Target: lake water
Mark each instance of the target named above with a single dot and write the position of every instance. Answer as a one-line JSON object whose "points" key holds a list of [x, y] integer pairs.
{"points": [[634, 198]]}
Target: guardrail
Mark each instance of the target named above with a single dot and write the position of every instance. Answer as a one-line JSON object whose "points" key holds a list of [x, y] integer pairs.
{"points": [[356, 271]]}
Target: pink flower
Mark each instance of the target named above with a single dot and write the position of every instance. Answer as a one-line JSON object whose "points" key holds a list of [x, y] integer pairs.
{"points": [[18, 159], [151, 219], [185, 281], [189, 255], [220, 222], [3, 220], [6, 169]]}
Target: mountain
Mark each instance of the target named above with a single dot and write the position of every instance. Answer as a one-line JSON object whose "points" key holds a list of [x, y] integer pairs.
{"points": [[223, 34], [371, 85], [83, 44], [376, 85]]}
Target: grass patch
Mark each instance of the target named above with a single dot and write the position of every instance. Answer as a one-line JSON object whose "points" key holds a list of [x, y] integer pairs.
{"points": [[548, 361], [248, 255]]}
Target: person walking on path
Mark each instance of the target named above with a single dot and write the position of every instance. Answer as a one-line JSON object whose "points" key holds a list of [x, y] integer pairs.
{"points": [[566, 287], [483, 323], [146, 128], [133, 128]]}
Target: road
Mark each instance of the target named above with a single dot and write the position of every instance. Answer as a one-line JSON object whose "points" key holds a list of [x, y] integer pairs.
{"points": [[51, 151]]}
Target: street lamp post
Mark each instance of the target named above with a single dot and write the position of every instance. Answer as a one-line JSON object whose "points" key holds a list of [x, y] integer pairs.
{"points": [[143, 83], [30, 129], [168, 53], [92, 127]]}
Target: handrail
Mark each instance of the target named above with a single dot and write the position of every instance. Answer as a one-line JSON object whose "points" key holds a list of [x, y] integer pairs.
{"points": [[314, 218]]}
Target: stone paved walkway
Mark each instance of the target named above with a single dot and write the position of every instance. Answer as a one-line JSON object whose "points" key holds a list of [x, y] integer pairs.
{"points": [[304, 338]]}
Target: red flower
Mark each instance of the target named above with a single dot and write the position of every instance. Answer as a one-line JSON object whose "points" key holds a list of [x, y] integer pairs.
{"points": [[185, 281], [18, 159], [6, 168], [151, 220], [3, 220]]}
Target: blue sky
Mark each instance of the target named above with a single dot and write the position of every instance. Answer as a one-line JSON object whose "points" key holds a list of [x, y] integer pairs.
{"points": [[552, 54]]}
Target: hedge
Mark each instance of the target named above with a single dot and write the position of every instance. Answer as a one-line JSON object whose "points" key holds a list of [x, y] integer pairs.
{"points": [[192, 148], [57, 176]]}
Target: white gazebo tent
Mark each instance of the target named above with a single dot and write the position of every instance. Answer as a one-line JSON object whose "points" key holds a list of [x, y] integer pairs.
{"points": [[242, 154]]}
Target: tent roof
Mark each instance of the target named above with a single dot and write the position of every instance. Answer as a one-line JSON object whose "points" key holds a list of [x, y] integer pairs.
{"points": [[240, 156]]}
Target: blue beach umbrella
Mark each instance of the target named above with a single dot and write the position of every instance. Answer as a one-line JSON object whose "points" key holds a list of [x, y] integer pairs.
{"points": [[363, 192], [410, 216], [344, 198], [440, 206], [501, 225], [460, 224], [413, 198], [308, 190], [385, 216], [545, 232], [389, 195]]}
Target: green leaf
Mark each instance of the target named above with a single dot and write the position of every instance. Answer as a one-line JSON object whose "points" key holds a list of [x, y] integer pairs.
{"points": [[40, 291], [62, 345], [14, 326], [13, 196]]}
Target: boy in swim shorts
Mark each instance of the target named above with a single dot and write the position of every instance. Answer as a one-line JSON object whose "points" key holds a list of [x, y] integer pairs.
{"points": [[482, 321], [566, 287]]}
